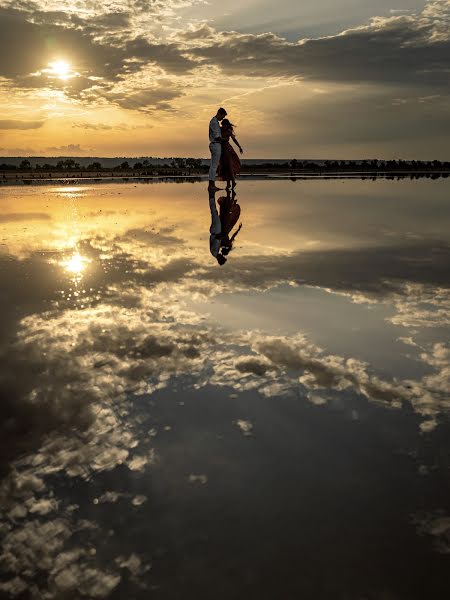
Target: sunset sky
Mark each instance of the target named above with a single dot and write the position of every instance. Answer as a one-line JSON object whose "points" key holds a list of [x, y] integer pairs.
{"points": [[311, 79]]}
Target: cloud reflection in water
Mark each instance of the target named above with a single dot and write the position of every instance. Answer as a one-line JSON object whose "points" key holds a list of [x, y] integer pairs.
{"points": [[80, 416]]}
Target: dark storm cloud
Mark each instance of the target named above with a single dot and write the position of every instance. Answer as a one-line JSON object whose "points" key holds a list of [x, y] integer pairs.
{"points": [[15, 124], [402, 49]]}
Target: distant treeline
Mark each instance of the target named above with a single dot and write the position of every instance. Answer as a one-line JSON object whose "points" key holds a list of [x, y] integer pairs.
{"points": [[341, 166], [199, 165], [191, 167], [372, 166], [72, 165]]}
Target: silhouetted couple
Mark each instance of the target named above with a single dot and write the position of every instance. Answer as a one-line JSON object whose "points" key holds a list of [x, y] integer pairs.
{"points": [[225, 163], [222, 223]]}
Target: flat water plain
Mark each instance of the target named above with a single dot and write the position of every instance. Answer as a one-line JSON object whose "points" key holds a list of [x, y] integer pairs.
{"points": [[276, 427]]}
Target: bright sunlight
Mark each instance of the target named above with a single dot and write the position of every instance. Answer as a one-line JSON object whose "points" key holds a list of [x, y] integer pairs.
{"points": [[61, 69], [76, 264]]}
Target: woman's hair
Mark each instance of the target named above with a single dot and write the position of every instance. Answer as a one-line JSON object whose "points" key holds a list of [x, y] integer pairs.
{"points": [[226, 123]]}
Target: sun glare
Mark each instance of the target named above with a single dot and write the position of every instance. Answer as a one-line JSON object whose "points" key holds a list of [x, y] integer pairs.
{"points": [[61, 69], [76, 264]]}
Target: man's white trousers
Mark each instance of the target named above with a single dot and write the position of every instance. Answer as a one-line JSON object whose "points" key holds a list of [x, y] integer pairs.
{"points": [[216, 151]]}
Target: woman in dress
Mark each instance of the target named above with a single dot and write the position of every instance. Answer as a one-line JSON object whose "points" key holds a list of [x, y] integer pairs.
{"points": [[229, 215], [230, 164]]}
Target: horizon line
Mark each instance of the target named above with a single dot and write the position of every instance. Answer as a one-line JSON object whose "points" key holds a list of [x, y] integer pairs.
{"points": [[91, 156]]}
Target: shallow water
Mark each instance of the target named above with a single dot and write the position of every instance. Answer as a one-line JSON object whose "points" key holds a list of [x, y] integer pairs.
{"points": [[276, 427]]}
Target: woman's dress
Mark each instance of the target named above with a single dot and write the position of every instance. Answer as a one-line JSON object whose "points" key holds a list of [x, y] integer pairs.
{"points": [[229, 214], [230, 163]]}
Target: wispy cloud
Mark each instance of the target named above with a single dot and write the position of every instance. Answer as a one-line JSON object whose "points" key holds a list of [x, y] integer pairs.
{"points": [[16, 124], [69, 149]]}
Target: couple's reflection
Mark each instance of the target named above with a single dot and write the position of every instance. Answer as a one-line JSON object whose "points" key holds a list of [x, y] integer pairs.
{"points": [[222, 224]]}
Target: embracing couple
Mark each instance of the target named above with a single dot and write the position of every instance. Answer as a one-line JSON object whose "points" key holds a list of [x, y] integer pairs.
{"points": [[225, 163]]}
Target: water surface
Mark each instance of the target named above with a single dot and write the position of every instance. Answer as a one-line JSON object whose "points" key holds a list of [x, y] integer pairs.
{"points": [[275, 427]]}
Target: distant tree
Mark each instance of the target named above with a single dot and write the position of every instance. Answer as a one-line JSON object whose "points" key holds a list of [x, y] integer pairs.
{"points": [[25, 165], [194, 163], [7, 167], [180, 163], [145, 163], [69, 163], [294, 163], [95, 166], [124, 165], [138, 165]]}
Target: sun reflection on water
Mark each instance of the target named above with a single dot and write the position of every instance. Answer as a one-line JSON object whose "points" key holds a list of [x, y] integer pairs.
{"points": [[76, 264]]}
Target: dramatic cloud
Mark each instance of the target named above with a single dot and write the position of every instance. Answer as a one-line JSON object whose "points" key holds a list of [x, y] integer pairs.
{"points": [[406, 49], [401, 49], [313, 19], [29, 42], [378, 88], [157, 98]]}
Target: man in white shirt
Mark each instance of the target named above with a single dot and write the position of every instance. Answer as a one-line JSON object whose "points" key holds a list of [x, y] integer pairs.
{"points": [[216, 228], [215, 146]]}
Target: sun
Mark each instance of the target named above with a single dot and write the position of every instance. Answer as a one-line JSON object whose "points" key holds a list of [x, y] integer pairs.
{"points": [[61, 69]]}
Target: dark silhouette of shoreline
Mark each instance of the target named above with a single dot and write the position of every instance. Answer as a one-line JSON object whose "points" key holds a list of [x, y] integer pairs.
{"points": [[197, 168]]}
